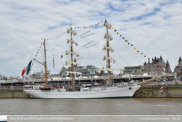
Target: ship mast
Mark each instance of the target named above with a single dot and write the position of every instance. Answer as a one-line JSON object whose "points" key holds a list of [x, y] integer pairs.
{"points": [[108, 62], [108, 38], [72, 63], [73, 82], [45, 62]]}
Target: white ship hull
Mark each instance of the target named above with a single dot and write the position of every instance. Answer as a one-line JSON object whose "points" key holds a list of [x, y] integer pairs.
{"points": [[110, 92]]}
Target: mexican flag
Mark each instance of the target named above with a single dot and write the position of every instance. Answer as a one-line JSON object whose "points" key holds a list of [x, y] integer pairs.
{"points": [[26, 70]]}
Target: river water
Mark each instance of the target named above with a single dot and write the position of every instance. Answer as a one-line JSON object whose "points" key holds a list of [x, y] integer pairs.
{"points": [[132, 106]]}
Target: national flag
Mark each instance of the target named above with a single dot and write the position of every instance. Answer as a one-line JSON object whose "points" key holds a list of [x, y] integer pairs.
{"points": [[141, 53], [128, 43], [115, 30], [163, 69], [120, 35], [123, 38], [112, 27], [137, 50], [144, 55], [61, 57], [126, 40], [27, 69], [132, 45]]}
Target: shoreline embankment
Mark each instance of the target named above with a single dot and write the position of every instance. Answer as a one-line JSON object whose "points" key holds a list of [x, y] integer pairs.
{"points": [[145, 91], [154, 91]]}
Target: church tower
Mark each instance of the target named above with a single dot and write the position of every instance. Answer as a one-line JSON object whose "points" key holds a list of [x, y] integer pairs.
{"points": [[180, 62], [168, 70]]}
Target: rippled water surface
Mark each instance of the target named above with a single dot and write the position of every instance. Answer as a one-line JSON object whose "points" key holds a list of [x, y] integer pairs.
{"points": [[134, 106]]}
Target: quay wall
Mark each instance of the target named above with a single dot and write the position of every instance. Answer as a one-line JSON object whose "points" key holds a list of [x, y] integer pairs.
{"points": [[146, 91], [13, 94], [153, 91]]}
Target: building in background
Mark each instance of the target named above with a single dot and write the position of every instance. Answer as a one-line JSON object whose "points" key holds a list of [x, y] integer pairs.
{"points": [[134, 70], [3, 77], [178, 69], [157, 66], [40, 75], [87, 71]]}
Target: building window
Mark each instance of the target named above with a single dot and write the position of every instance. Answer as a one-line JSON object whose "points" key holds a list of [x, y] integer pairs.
{"points": [[180, 78], [127, 71]]}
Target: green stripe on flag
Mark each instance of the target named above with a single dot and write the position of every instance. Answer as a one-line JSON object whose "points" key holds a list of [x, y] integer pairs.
{"points": [[28, 68]]}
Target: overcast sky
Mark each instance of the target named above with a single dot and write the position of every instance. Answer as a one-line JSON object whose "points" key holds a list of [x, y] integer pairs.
{"points": [[154, 27]]}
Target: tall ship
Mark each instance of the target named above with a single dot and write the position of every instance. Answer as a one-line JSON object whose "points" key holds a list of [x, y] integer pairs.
{"points": [[107, 91]]}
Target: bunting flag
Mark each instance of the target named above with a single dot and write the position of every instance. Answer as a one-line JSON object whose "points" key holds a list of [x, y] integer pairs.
{"points": [[161, 89], [126, 40], [61, 57], [134, 48], [89, 26], [159, 66], [163, 69]]}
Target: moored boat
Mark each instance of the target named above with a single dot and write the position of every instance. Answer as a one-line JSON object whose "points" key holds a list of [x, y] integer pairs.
{"points": [[108, 91]]}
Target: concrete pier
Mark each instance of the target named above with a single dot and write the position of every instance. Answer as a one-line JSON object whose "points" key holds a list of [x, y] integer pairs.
{"points": [[153, 91], [14, 93]]}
